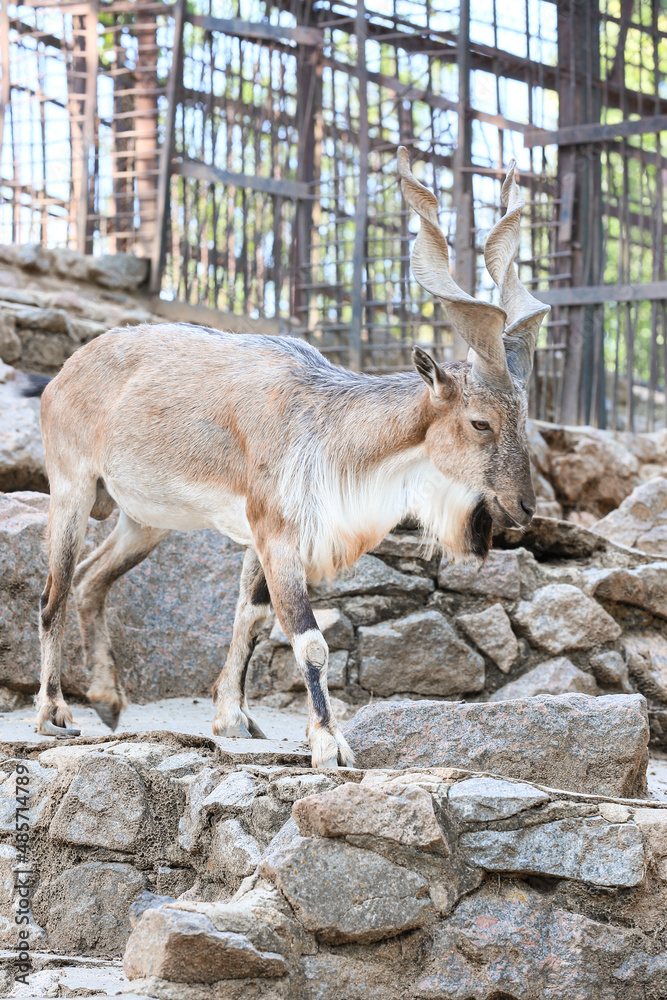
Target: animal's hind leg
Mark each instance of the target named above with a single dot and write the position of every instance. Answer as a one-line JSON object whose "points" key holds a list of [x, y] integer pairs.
{"points": [[232, 717], [126, 546], [68, 519]]}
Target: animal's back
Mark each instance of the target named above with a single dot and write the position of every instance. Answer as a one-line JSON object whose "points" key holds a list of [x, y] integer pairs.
{"points": [[161, 413]]}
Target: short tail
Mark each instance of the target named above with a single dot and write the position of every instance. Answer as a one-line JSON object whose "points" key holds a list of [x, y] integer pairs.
{"points": [[32, 385]]}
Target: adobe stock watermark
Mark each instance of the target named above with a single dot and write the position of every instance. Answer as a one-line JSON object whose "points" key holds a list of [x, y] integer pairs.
{"points": [[23, 872]]}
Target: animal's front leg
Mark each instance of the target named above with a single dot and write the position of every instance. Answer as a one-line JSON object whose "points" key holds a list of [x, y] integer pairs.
{"points": [[232, 717], [287, 585]]}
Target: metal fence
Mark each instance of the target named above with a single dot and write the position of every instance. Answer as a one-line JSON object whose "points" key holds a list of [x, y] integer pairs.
{"points": [[248, 148]]}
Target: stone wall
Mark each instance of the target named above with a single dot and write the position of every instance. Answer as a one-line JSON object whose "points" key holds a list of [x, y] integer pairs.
{"points": [[222, 872], [558, 609]]}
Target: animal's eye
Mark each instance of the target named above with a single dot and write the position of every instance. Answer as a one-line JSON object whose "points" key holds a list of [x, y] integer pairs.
{"points": [[481, 425]]}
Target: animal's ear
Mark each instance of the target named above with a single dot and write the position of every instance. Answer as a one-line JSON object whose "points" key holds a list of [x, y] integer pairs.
{"points": [[441, 384]]}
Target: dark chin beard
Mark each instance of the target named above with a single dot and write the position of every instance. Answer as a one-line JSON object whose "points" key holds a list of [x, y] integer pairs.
{"points": [[478, 531]]}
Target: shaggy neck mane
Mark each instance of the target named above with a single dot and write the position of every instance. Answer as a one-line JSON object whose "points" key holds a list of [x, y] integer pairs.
{"points": [[359, 466]]}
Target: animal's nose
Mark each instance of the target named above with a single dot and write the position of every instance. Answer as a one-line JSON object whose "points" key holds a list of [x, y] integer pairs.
{"points": [[528, 507]]}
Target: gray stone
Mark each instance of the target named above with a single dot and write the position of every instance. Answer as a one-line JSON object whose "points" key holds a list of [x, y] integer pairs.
{"points": [[195, 818], [641, 520], [592, 470], [38, 779], [371, 576], [144, 756], [146, 901], [234, 794], [611, 670], [479, 800], [85, 909], [557, 676], [337, 669], [561, 617], [588, 849], [266, 816], [332, 623], [33, 257], [185, 947], [10, 700], [22, 465], [498, 577], [644, 587], [233, 851], [71, 264], [105, 806], [647, 661], [491, 631], [170, 618], [48, 320], [68, 758], [420, 653], [46, 352], [406, 816], [345, 894], [259, 911], [369, 610], [282, 672], [119, 271], [10, 342], [653, 824], [180, 765], [402, 545], [297, 786], [507, 940], [570, 741]]}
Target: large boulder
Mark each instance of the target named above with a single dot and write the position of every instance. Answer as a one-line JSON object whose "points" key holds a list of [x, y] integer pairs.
{"points": [[420, 653], [576, 742], [170, 617]]}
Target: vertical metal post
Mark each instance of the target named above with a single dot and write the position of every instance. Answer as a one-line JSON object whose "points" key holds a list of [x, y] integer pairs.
{"points": [[162, 203], [87, 110], [361, 213], [146, 122], [5, 85], [464, 239], [309, 91], [578, 59]]}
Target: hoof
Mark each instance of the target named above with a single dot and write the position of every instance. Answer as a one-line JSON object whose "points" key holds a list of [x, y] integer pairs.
{"points": [[236, 731], [331, 762], [47, 728], [255, 731], [107, 713]]}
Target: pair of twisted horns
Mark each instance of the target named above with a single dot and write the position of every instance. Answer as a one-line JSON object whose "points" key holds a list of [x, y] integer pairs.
{"points": [[502, 338]]}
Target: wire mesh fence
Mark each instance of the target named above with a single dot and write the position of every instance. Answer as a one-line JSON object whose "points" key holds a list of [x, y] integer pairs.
{"points": [[248, 148]]}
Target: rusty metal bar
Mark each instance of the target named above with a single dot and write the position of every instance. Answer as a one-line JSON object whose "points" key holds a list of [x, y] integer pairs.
{"points": [[158, 252]]}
